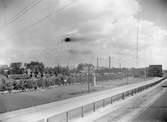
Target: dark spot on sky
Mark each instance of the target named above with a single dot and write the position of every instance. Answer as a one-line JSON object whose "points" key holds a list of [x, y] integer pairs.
{"points": [[67, 39]]}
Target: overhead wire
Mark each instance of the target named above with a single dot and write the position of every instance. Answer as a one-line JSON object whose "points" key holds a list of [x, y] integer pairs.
{"points": [[21, 13], [55, 13]]}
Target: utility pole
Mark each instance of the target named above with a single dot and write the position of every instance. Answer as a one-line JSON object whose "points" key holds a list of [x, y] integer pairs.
{"points": [[97, 63], [145, 73], [88, 78], [94, 79], [137, 46], [109, 62], [127, 77], [121, 71], [58, 69], [5, 13], [96, 71]]}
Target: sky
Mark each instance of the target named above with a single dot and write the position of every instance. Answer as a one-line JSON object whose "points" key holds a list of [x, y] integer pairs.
{"points": [[35, 30]]}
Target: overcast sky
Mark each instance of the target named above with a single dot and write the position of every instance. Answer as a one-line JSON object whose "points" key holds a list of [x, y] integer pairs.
{"points": [[97, 28]]}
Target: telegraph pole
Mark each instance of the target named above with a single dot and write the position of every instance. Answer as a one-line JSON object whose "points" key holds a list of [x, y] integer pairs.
{"points": [[120, 67], [127, 76], [88, 78], [94, 79], [58, 68], [109, 62], [97, 63], [96, 71], [137, 46], [121, 71], [145, 73]]}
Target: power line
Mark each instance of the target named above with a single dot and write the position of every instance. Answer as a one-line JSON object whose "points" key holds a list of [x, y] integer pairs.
{"points": [[57, 12], [109, 62], [137, 47], [22, 12], [97, 63]]}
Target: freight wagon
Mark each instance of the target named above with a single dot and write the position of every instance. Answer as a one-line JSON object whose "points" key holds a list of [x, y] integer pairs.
{"points": [[155, 71]]}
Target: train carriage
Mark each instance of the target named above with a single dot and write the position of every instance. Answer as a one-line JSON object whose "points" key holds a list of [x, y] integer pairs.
{"points": [[155, 71]]}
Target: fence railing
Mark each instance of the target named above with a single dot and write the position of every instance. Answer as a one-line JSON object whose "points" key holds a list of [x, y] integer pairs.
{"points": [[64, 111]]}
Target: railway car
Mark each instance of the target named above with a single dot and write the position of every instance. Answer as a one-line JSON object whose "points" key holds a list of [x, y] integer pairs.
{"points": [[155, 71]]}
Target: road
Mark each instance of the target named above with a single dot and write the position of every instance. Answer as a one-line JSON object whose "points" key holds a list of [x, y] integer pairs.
{"points": [[157, 112], [51, 110], [147, 106]]}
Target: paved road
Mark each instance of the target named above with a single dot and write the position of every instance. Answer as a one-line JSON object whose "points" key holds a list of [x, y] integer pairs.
{"points": [[55, 108], [148, 106], [157, 112]]}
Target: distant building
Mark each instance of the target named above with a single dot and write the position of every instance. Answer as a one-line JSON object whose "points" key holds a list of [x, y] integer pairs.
{"points": [[3, 67], [87, 69], [155, 71]]}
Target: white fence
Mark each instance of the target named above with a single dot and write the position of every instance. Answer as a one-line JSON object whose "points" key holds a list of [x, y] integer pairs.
{"points": [[63, 111]]}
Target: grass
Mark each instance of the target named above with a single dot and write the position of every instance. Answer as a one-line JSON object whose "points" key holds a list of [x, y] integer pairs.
{"points": [[10, 102]]}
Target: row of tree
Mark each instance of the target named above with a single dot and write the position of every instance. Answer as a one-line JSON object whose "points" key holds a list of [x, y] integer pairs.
{"points": [[36, 68], [20, 68], [25, 84]]}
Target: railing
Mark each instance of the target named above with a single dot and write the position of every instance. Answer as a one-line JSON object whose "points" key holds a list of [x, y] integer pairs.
{"points": [[64, 111]]}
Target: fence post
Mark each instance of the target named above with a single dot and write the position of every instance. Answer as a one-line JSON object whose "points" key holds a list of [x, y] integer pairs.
{"points": [[103, 103], [45, 120], [111, 100], [82, 111], [67, 116], [94, 107], [123, 96]]}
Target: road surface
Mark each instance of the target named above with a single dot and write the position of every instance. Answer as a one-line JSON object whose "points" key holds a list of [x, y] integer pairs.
{"points": [[51, 110], [147, 106], [157, 112]]}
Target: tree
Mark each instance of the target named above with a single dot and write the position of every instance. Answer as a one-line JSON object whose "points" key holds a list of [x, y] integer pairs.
{"points": [[35, 67], [3, 85], [16, 68], [80, 67], [84, 66]]}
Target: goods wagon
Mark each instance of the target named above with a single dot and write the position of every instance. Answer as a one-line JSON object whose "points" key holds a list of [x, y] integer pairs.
{"points": [[155, 71]]}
